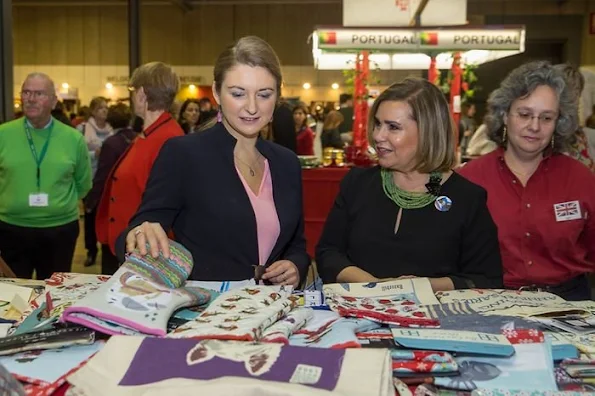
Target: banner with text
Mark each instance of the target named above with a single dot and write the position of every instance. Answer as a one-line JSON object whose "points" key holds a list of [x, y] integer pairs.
{"points": [[420, 39]]}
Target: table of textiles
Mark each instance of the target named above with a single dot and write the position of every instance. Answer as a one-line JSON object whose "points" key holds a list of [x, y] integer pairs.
{"points": [[320, 188], [148, 331]]}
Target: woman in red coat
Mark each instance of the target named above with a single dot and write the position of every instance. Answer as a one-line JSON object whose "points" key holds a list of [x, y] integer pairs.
{"points": [[305, 136], [153, 86]]}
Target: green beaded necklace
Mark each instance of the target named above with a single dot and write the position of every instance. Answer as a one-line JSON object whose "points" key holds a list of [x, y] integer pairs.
{"points": [[407, 199]]}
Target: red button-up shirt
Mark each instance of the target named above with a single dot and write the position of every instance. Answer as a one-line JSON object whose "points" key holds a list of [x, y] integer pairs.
{"points": [[547, 228], [126, 183]]}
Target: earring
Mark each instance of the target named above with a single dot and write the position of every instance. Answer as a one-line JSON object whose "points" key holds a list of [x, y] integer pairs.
{"points": [[504, 134], [552, 142], [219, 116]]}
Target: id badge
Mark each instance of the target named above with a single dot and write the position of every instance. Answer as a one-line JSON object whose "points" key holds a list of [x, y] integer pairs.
{"points": [[38, 200]]}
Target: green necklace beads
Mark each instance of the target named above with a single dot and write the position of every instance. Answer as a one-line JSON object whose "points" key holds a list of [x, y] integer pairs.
{"points": [[411, 200]]}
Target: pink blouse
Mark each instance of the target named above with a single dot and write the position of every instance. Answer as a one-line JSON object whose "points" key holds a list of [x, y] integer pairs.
{"points": [[267, 221]]}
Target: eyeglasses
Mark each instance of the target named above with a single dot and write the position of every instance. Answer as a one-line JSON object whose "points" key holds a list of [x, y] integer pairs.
{"points": [[33, 94], [131, 88], [544, 119]]}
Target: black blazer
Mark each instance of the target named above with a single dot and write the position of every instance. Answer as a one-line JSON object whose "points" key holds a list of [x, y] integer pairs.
{"points": [[461, 243], [195, 191]]}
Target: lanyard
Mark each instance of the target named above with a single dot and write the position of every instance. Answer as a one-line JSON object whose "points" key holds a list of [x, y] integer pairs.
{"points": [[44, 149]]}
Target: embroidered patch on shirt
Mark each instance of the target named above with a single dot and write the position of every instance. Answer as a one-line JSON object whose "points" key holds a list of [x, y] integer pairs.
{"points": [[565, 211]]}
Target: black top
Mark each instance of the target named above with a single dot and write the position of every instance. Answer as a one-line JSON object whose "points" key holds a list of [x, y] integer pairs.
{"points": [[194, 189], [331, 138], [461, 243], [284, 128], [111, 150], [347, 124]]}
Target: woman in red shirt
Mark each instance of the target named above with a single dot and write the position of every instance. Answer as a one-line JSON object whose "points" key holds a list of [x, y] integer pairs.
{"points": [[542, 201], [154, 87], [305, 136]]}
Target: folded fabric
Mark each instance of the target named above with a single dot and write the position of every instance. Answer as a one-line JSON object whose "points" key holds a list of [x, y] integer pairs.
{"points": [[377, 338], [579, 368], [8, 385], [280, 331], [529, 369], [57, 337], [461, 316], [404, 368], [453, 341], [47, 366], [130, 366], [407, 363], [562, 377], [338, 335], [320, 321], [508, 392], [421, 356], [240, 314], [404, 313], [61, 291], [509, 302], [141, 296], [417, 290]]}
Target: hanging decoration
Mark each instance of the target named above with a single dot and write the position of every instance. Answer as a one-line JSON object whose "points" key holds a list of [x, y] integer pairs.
{"points": [[360, 100], [433, 72], [455, 92]]}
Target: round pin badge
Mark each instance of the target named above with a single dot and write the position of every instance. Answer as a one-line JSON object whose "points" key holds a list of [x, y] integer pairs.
{"points": [[443, 203]]}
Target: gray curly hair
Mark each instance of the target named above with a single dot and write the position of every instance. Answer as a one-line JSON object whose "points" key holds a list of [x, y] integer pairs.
{"points": [[520, 83]]}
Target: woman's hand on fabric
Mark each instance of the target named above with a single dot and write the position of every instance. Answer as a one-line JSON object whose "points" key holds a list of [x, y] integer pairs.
{"points": [[442, 284], [282, 272], [148, 233]]}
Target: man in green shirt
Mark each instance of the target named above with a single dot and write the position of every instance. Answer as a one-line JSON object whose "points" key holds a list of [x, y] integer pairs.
{"points": [[44, 172]]}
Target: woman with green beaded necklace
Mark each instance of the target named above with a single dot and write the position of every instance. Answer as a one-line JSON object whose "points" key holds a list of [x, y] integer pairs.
{"points": [[411, 216]]}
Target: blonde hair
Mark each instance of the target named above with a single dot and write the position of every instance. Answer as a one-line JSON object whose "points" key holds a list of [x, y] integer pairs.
{"points": [[436, 142], [332, 120], [96, 102], [160, 83]]}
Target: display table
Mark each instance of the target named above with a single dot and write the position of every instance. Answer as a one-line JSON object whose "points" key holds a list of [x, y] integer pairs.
{"points": [[320, 188]]}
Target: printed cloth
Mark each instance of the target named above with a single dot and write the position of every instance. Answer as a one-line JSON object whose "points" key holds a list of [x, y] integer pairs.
{"points": [[403, 313], [61, 291], [8, 385], [43, 367], [320, 321], [408, 363], [338, 334], [461, 316], [567, 383], [579, 368], [141, 296], [58, 337], [280, 331], [508, 302], [377, 338], [129, 366], [240, 314], [529, 369], [418, 290]]}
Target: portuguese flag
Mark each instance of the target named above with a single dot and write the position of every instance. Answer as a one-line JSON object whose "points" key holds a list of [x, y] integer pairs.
{"points": [[328, 38], [429, 38]]}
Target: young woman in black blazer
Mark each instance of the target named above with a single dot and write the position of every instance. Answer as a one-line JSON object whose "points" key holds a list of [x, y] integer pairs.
{"points": [[203, 186]]}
